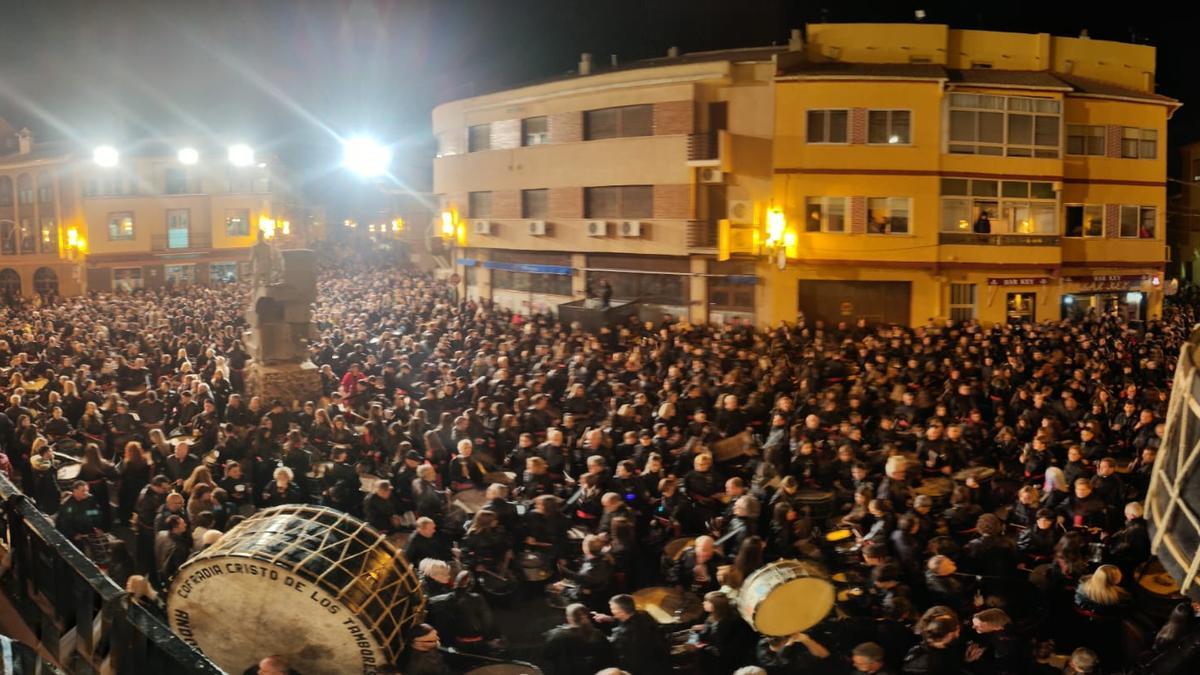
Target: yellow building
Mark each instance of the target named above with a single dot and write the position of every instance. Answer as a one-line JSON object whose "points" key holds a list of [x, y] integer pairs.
{"points": [[891, 172], [153, 217]]}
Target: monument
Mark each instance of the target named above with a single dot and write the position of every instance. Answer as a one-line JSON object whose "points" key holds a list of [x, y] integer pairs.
{"points": [[283, 288]]}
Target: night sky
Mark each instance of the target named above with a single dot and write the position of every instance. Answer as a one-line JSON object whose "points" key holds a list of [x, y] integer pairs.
{"points": [[287, 75]]}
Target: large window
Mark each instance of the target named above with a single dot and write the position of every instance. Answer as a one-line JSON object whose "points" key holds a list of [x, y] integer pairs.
{"points": [[1085, 139], [962, 302], [180, 275], [535, 204], [127, 279], [120, 226], [479, 137], [535, 131], [888, 215], [660, 289], [825, 214], [479, 205], [1138, 222], [1139, 143], [222, 273], [888, 127], [178, 221], [45, 183], [25, 189], [1084, 220], [630, 120], [28, 236], [1009, 126], [827, 126], [998, 207], [237, 222], [619, 201], [49, 235], [553, 284], [6, 191]]}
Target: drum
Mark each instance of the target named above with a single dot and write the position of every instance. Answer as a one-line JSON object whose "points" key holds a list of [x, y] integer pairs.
{"points": [[844, 544], [1157, 593], [507, 669], [469, 501], [367, 482], [536, 565], [298, 570], [982, 475], [936, 488], [818, 503], [729, 449], [675, 548], [669, 606], [508, 478], [67, 474], [786, 597]]}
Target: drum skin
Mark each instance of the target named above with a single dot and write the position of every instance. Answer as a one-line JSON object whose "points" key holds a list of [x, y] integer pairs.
{"points": [[786, 597], [314, 585]]}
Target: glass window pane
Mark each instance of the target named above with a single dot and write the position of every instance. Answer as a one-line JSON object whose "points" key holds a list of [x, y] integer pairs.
{"points": [[836, 214], [1148, 149], [877, 126], [991, 150], [816, 126], [991, 102], [1073, 225], [1020, 129], [837, 126], [602, 202], [1043, 219], [1044, 105], [1020, 104], [479, 205], [1129, 221], [899, 215], [637, 120], [1018, 188], [1093, 221], [535, 203], [1096, 139], [535, 130], [901, 123], [1147, 229], [991, 127], [983, 188], [815, 213], [600, 124], [1045, 131], [954, 186], [964, 100], [479, 137], [956, 215], [877, 215], [637, 201], [962, 125], [1042, 190]]}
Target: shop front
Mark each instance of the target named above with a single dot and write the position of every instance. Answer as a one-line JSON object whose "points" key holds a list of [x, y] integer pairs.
{"points": [[1125, 296]]}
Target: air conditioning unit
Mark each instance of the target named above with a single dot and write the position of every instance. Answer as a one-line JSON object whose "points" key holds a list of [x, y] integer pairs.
{"points": [[597, 228], [740, 211], [631, 228], [482, 227], [537, 228], [711, 175]]}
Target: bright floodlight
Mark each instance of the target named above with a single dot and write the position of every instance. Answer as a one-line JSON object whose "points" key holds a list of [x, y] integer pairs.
{"points": [[106, 156], [365, 156], [241, 155], [188, 156]]}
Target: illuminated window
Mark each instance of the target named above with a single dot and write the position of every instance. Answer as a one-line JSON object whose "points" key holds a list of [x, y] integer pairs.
{"points": [[888, 215], [535, 131], [1084, 220], [120, 226], [888, 127], [237, 222], [825, 214]]}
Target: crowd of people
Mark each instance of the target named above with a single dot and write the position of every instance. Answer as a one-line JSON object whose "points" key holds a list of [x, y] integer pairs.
{"points": [[974, 491]]}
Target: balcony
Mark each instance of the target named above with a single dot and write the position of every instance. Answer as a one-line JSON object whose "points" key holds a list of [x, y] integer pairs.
{"points": [[702, 234], [163, 243], [972, 239], [704, 149]]}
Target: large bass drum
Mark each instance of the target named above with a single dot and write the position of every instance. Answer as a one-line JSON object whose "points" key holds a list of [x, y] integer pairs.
{"points": [[786, 597], [314, 585]]}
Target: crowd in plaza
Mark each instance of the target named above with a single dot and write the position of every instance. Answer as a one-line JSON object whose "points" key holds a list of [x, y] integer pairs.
{"points": [[972, 493]]}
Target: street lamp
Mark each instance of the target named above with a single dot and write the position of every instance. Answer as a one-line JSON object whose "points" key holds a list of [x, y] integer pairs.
{"points": [[106, 156], [241, 155], [188, 156], [366, 156]]}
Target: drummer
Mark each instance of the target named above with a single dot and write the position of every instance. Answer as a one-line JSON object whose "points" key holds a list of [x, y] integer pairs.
{"points": [[696, 569]]}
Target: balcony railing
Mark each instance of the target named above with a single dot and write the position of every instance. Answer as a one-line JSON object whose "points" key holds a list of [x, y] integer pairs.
{"points": [[973, 239], [704, 146], [702, 234], [193, 240]]}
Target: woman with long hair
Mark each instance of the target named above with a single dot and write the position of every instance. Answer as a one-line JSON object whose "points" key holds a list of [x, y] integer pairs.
{"points": [[1101, 603], [97, 472], [134, 473], [1055, 489], [727, 642], [45, 477], [201, 475]]}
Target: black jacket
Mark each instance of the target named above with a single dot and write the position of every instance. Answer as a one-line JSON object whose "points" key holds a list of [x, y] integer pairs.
{"points": [[570, 650], [639, 646]]}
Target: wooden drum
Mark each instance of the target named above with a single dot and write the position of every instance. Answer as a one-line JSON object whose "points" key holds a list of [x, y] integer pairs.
{"points": [[786, 597], [314, 585]]}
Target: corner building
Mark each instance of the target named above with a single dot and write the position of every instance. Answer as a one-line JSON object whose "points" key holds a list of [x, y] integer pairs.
{"points": [[896, 173]]}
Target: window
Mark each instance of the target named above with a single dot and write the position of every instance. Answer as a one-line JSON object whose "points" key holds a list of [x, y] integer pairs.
{"points": [[1010, 126], [659, 289], [446, 144], [45, 184], [998, 207], [6, 191], [630, 120], [1138, 222], [888, 126], [1085, 139], [962, 302], [479, 137], [619, 201], [535, 131], [887, 215], [1084, 220], [535, 204], [222, 273], [1139, 143], [177, 228], [127, 279], [827, 126], [825, 214], [479, 205], [553, 284], [175, 181], [28, 236], [49, 235], [179, 275], [25, 190], [237, 222], [120, 226]]}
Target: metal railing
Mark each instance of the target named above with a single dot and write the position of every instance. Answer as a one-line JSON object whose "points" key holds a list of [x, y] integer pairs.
{"points": [[971, 238], [195, 240], [704, 146], [702, 234], [79, 615]]}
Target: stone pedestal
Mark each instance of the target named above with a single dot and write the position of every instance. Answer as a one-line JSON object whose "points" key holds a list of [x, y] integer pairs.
{"points": [[286, 381]]}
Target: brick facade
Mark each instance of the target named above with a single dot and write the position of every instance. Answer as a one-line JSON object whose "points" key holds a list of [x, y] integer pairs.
{"points": [[506, 204], [858, 125], [506, 134], [566, 127], [858, 215], [565, 202], [1112, 220], [674, 117], [1112, 141], [672, 201]]}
